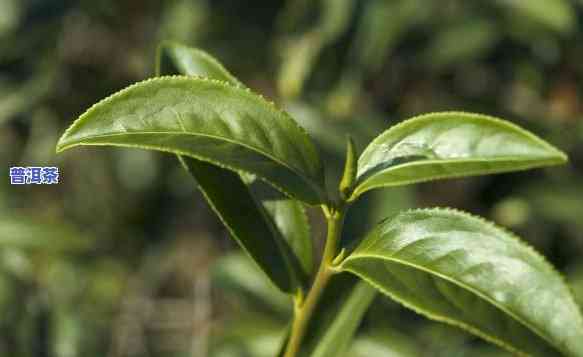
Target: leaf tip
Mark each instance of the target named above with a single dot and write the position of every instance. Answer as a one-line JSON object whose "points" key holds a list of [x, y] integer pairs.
{"points": [[563, 158], [556, 156], [62, 142]]}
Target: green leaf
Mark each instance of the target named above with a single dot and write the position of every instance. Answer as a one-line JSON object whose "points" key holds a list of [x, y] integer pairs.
{"points": [[331, 133], [288, 215], [459, 269], [174, 58], [249, 335], [291, 220], [447, 145], [376, 37], [301, 54], [247, 222], [558, 15], [18, 99], [210, 121], [184, 21], [337, 316], [384, 342], [28, 233], [236, 272], [461, 42], [349, 175]]}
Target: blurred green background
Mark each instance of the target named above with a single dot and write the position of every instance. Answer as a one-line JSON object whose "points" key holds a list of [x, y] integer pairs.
{"points": [[124, 258]]}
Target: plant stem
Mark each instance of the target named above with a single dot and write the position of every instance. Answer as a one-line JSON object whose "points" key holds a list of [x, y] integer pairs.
{"points": [[303, 310]]}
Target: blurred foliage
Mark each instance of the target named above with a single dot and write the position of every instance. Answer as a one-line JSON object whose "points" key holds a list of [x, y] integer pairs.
{"points": [[124, 258]]}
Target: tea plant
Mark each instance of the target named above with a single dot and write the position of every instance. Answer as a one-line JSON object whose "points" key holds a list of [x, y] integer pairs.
{"points": [[442, 263]]}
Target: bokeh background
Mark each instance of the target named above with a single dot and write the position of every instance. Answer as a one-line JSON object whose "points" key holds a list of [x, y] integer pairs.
{"points": [[124, 258]]}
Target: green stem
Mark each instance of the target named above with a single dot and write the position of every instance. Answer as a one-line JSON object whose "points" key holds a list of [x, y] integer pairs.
{"points": [[304, 309]]}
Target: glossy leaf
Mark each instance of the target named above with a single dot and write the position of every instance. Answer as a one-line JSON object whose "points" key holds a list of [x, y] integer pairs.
{"points": [[447, 145], [234, 204], [174, 58], [288, 215], [462, 270], [210, 121], [337, 316], [370, 209], [291, 220]]}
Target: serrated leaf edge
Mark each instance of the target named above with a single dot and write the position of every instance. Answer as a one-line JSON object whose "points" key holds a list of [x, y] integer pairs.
{"points": [[462, 325], [561, 157], [201, 53], [234, 234], [538, 163], [311, 181], [170, 46], [471, 116], [440, 318]]}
